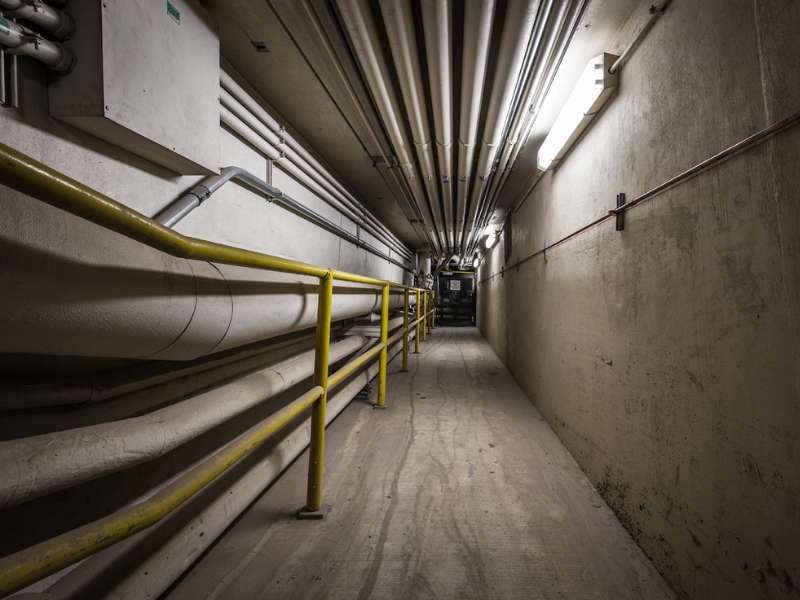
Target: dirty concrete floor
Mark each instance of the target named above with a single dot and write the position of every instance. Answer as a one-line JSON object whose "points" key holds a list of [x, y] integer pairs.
{"points": [[458, 490]]}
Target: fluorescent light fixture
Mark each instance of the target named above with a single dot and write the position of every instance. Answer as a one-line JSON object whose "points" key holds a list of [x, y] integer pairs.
{"points": [[593, 90]]}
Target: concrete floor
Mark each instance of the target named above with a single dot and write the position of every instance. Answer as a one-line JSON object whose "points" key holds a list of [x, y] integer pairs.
{"points": [[459, 490]]}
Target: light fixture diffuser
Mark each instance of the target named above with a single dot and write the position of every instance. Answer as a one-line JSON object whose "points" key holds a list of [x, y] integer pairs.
{"points": [[593, 90]]}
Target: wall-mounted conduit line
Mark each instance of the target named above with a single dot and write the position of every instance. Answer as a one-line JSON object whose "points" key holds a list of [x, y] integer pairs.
{"points": [[712, 161]]}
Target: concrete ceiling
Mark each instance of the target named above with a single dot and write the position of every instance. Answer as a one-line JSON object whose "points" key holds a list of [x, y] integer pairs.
{"points": [[306, 73]]}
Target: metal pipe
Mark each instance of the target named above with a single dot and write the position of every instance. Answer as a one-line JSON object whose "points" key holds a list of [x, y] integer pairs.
{"points": [[58, 24], [176, 211], [478, 19], [50, 462], [29, 176], [405, 330], [22, 41], [655, 12], [727, 153], [32, 564], [437, 27], [398, 21], [237, 92], [416, 323], [517, 29], [366, 45]]}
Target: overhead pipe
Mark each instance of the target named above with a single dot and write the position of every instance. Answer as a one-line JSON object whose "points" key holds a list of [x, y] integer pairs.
{"points": [[478, 19], [437, 26], [517, 29], [148, 563], [175, 212], [358, 22], [58, 24], [556, 47], [46, 463], [390, 176], [398, 20], [241, 95], [22, 41], [270, 144]]}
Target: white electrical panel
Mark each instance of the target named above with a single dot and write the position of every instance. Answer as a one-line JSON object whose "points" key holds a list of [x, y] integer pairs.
{"points": [[146, 79]]}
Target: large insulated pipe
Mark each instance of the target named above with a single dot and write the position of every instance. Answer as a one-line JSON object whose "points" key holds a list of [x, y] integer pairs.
{"points": [[55, 22], [437, 25], [42, 464], [366, 44], [398, 21], [478, 18], [147, 564], [517, 28], [22, 41], [73, 288], [229, 84]]}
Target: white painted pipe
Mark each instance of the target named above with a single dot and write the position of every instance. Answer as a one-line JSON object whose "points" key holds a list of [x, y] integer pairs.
{"points": [[40, 465], [478, 18], [517, 28], [437, 27], [398, 21], [366, 45], [235, 116], [72, 288], [58, 24], [271, 123], [147, 564], [20, 40]]}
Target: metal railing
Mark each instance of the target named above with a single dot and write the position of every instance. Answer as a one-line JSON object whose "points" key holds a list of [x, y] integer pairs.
{"points": [[27, 175]]}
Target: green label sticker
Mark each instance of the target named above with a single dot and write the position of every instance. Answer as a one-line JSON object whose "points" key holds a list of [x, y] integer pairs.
{"points": [[173, 12], [4, 28]]}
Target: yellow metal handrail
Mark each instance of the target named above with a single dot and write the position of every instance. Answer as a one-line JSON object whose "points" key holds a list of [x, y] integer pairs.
{"points": [[35, 179]]}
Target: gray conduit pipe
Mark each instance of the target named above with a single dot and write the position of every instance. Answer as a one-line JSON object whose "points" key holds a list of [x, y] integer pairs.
{"points": [[58, 24], [147, 564], [24, 42], [43, 464], [236, 91], [243, 124], [180, 208]]}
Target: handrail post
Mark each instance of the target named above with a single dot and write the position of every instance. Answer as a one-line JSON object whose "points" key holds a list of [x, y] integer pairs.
{"points": [[316, 451], [425, 316], [384, 349], [433, 314], [416, 322], [405, 330]]}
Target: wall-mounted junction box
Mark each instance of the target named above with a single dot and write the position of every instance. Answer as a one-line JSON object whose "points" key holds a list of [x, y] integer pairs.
{"points": [[146, 79]]}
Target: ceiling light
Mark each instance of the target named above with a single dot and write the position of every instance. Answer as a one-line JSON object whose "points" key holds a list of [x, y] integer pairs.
{"points": [[593, 90]]}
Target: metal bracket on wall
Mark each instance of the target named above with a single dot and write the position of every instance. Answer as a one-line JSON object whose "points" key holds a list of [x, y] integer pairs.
{"points": [[620, 214], [9, 80]]}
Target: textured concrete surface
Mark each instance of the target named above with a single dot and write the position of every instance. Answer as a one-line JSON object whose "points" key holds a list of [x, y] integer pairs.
{"points": [[666, 356], [459, 490]]}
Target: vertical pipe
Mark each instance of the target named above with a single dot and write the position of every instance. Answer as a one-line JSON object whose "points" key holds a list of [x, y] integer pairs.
{"points": [[405, 330], [384, 346], [419, 314], [316, 453]]}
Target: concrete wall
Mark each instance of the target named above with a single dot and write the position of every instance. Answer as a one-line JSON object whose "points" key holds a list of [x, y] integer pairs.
{"points": [[667, 356], [235, 215]]}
